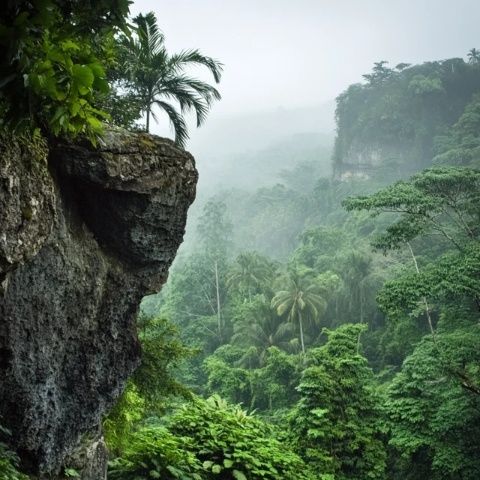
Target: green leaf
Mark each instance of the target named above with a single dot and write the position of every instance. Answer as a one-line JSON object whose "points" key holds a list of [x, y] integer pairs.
{"points": [[70, 46], [71, 472], [74, 108], [97, 70], [95, 124], [238, 475], [83, 76]]}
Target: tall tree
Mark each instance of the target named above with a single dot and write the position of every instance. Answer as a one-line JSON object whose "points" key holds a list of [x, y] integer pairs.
{"points": [[356, 268], [438, 201], [434, 420], [260, 327], [336, 423], [156, 77], [473, 56], [379, 73], [300, 301], [249, 273], [443, 206], [215, 231]]}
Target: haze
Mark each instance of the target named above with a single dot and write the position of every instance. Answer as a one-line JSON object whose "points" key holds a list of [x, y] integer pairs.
{"points": [[286, 61]]}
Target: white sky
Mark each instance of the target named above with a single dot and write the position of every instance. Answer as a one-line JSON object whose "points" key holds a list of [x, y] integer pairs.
{"points": [[289, 53]]}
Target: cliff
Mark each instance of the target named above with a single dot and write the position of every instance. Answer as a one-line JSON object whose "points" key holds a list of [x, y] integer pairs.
{"points": [[389, 127], [85, 233]]}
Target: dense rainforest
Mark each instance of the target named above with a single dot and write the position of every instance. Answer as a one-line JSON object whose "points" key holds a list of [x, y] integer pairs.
{"points": [[340, 311], [322, 326]]}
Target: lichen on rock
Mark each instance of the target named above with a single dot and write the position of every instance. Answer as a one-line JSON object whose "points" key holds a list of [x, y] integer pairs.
{"points": [[99, 229], [26, 211]]}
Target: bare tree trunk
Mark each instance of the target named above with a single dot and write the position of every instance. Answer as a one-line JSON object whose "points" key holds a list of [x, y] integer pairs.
{"points": [[427, 308], [358, 342], [253, 397], [219, 314], [360, 293]]}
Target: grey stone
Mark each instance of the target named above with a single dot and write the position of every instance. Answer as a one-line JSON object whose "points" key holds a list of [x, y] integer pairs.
{"points": [[26, 212], [103, 230]]}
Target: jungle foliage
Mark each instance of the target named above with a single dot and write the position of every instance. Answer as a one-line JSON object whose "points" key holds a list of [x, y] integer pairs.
{"points": [[343, 316], [50, 68]]}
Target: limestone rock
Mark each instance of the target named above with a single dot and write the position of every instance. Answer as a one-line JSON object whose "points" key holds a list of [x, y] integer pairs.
{"points": [[103, 230], [26, 212]]}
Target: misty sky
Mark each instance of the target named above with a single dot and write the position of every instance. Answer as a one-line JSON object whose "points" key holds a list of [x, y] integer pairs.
{"points": [[282, 54], [286, 53]]}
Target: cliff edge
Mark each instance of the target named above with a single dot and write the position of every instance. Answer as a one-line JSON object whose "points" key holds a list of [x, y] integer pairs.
{"points": [[85, 233]]}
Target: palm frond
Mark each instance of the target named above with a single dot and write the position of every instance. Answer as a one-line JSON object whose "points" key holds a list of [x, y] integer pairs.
{"points": [[177, 121], [190, 94], [150, 38], [285, 329], [186, 57]]}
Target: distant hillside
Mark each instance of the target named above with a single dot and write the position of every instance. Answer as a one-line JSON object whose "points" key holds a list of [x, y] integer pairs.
{"points": [[238, 155], [252, 169], [389, 126], [250, 150]]}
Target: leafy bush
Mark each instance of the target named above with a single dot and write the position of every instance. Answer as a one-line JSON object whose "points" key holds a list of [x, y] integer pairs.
{"points": [[152, 453], [9, 461], [435, 418], [151, 384], [120, 423], [50, 67], [233, 444], [208, 439], [335, 425]]}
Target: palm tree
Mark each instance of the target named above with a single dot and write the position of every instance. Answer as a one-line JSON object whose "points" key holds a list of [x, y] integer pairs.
{"points": [[261, 329], [473, 56], [157, 78], [300, 301], [249, 273]]}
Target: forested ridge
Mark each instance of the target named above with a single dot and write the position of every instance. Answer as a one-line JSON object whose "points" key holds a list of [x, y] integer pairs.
{"points": [[324, 327], [399, 118]]}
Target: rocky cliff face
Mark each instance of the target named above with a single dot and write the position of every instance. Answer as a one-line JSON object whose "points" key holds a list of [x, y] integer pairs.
{"points": [[85, 233], [369, 160]]}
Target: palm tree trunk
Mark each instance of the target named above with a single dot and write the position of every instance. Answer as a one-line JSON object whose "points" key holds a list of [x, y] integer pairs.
{"points": [[301, 332], [147, 125]]}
